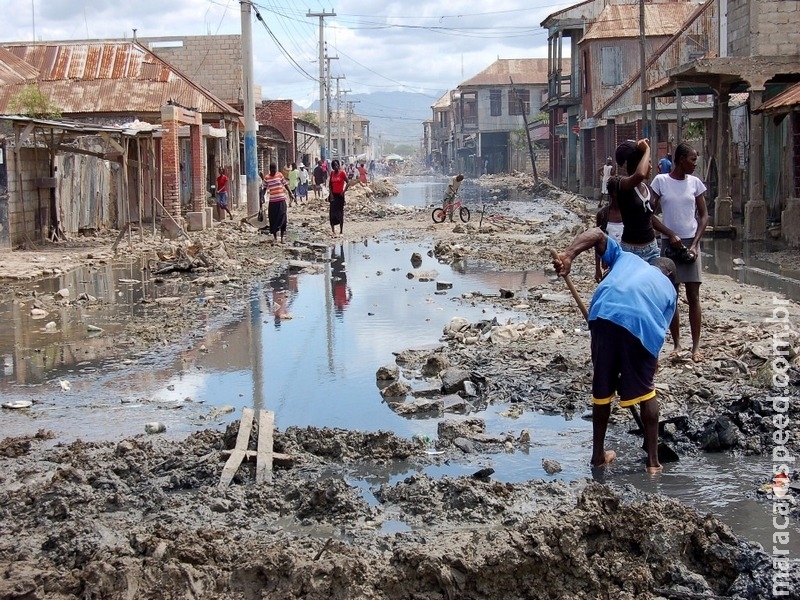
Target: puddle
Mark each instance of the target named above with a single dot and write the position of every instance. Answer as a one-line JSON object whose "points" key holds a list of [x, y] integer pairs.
{"points": [[318, 367]]}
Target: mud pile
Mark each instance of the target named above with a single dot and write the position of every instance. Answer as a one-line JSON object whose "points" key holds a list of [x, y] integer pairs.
{"points": [[144, 519]]}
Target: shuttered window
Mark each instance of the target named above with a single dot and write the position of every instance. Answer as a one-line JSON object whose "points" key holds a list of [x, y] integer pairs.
{"points": [[495, 103], [611, 65]]}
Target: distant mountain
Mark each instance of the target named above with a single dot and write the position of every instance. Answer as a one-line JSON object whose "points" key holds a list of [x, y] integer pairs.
{"points": [[394, 117]]}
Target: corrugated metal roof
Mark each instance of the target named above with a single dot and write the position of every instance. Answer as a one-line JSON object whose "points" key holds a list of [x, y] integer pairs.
{"points": [[442, 102], [14, 70], [102, 77], [524, 71], [787, 100], [622, 20]]}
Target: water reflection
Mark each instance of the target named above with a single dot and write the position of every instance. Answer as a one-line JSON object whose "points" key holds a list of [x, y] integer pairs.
{"points": [[341, 292]]}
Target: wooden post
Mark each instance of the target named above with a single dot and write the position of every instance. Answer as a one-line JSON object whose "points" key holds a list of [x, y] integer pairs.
{"points": [[527, 131]]}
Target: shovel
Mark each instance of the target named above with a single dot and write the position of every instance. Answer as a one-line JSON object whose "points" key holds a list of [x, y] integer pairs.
{"points": [[665, 453]]}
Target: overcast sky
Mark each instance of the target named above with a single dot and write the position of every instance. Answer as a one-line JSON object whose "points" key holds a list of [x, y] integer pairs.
{"points": [[425, 46]]}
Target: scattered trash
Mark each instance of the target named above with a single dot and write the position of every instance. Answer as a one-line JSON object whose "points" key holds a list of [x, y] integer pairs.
{"points": [[17, 404]]}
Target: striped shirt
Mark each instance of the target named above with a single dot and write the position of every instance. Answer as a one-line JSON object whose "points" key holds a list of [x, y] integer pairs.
{"points": [[275, 188]]}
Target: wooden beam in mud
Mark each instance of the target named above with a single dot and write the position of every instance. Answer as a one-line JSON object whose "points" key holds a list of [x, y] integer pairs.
{"points": [[265, 457], [238, 453], [266, 422]]}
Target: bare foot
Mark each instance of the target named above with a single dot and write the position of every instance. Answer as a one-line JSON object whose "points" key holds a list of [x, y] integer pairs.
{"points": [[698, 356], [608, 457], [655, 470]]}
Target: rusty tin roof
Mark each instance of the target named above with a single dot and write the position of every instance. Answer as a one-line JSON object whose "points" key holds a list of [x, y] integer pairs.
{"points": [[524, 71], [622, 20], [100, 77]]}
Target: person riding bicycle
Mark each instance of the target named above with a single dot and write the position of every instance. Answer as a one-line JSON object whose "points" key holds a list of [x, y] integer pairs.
{"points": [[450, 194]]}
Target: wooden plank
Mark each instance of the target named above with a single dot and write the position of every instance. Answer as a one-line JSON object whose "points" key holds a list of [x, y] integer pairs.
{"points": [[266, 423], [278, 458], [238, 454]]}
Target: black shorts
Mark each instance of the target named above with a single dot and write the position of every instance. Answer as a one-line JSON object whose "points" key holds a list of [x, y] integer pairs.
{"points": [[621, 365]]}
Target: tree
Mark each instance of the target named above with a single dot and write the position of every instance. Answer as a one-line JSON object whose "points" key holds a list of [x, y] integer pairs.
{"points": [[309, 116], [31, 102]]}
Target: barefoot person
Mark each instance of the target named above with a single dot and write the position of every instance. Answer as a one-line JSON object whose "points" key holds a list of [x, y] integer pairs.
{"points": [[628, 319], [451, 193], [222, 195], [682, 198], [278, 191], [338, 182]]}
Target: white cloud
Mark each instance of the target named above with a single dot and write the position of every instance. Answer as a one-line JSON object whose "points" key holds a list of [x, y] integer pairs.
{"points": [[416, 45]]}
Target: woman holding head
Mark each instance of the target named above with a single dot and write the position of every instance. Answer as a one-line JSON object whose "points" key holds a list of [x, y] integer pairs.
{"points": [[682, 197], [635, 201]]}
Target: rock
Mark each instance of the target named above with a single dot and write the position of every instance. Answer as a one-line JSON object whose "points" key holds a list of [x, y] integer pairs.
{"points": [[50, 326], [551, 466], [453, 379], [154, 427], [38, 313], [416, 260], [738, 261], [63, 293], [524, 437], [387, 373], [93, 329], [220, 505], [484, 473], [444, 285], [720, 434], [465, 445], [435, 364], [506, 293], [123, 448], [470, 389], [397, 389]]}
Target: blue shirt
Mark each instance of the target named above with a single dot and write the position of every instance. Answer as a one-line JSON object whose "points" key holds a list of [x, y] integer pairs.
{"points": [[636, 296], [664, 165]]}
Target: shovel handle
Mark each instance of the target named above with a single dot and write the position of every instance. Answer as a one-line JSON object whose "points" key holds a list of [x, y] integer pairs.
{"points": [[572, 289]]}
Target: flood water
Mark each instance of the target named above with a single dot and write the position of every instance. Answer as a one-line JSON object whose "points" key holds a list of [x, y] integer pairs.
{"points": [[318, 367]]}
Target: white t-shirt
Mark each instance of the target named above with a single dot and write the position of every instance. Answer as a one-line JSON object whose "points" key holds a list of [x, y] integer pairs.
{"points": [[606, 176], [679, 202]]}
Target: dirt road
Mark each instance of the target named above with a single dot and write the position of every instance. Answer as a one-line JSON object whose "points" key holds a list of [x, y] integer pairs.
{"points": [[144, 517]]}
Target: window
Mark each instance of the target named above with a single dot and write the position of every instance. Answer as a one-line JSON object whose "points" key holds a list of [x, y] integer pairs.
{"points": [[610, 66], [495, 103], [519, 103]]}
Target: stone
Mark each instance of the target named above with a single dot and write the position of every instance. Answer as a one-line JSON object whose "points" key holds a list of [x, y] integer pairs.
{"points": [[397, 389], [387, 373], [435, 364], [444, 285], [154, 427], [720, 434], [465, 445], [551, 466], [453, 379]]}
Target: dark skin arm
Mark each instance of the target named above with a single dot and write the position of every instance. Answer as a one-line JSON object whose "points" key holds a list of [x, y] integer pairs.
{"points": [[702, 223], [591, 238], [629, 182]]}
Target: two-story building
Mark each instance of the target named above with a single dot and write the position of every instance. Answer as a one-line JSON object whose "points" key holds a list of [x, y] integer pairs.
{"points": [[490, 112]]}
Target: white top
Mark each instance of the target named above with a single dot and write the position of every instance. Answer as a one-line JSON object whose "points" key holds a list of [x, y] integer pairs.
{"points": [[303, 175], [614, 230], [679, 202], [606, 176]]}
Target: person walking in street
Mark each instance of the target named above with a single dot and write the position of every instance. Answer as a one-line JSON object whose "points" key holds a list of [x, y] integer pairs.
{"points": [[318, 174], [628, 319], [302, 188], [277, 190], [362, 174], [665, 164], [609, 219], [682, 198], [605, 171], [294, 181], [338, 186], [636, 202], [222, 195]]}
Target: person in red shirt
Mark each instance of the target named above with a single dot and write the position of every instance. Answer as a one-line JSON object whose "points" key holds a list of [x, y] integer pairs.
{"points": [[362, 174], [222, 195], [338, 182]]}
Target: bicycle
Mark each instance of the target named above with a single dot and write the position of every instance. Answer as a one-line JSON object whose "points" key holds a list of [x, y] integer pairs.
{"points": [[439, 214]]}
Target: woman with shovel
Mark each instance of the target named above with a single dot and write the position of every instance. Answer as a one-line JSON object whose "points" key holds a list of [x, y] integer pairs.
{"points": [[628, 318]]}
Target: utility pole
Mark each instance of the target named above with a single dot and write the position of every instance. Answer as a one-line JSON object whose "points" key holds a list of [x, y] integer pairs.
{"points": [[338, 116], [350, 132], [644, 73], [249, 100], [322, 120], [328, 60]]}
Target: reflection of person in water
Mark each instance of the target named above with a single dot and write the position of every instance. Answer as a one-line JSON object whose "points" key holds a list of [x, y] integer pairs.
{"points": [[341, 293], [277, 305]]}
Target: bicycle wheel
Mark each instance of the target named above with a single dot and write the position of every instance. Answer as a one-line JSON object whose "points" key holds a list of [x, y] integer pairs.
{"points": [[464, 214], [438, 215]]}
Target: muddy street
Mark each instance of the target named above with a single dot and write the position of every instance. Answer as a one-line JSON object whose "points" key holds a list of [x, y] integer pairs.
{"points": [[478, 488]]}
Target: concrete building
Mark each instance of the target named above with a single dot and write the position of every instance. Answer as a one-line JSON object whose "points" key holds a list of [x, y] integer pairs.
{"points": [[164, 137]]}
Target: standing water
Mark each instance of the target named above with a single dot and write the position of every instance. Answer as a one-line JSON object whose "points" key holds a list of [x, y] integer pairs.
{"points": [[318, 367]]}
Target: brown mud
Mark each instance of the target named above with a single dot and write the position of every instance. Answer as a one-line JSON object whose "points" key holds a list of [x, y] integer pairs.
{"points": [[143, 517]]}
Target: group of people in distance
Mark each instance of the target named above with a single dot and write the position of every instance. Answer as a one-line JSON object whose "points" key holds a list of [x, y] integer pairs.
{"points": [[634, 304]]}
